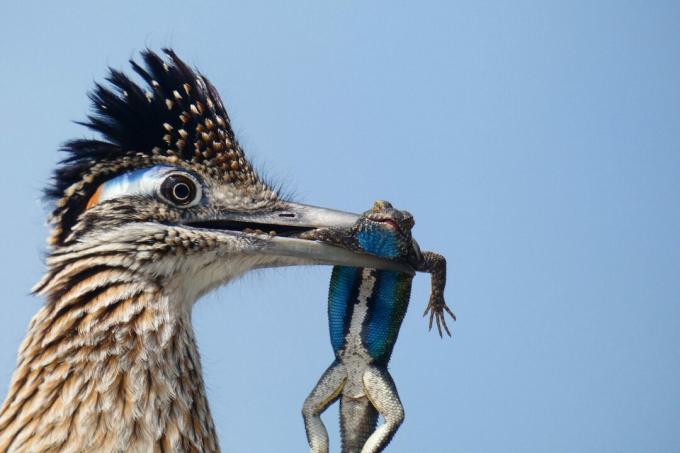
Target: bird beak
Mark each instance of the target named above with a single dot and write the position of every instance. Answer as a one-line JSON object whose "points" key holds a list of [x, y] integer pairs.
{"points": [[304, 218], [294, 218]]}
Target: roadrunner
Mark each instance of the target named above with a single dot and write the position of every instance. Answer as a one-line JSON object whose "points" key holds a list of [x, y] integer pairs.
{"points": [[163, 208]]}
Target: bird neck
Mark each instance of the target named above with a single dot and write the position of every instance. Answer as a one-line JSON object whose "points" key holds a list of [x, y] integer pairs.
{"points": [[109, 363]]}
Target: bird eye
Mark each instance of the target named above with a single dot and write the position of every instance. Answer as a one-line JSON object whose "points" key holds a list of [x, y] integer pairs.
{"points": [[180, 190]]}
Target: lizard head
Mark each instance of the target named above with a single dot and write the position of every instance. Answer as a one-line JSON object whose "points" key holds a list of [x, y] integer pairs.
{"points": [[385, 231]]}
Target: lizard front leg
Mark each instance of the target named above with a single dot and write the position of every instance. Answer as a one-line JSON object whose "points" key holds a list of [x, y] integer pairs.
{"points": [[326, 391], [337, 236], [435, 264]]}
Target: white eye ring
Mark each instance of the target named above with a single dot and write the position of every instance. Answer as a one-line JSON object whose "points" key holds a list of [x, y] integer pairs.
{"points": [[180, 189]]}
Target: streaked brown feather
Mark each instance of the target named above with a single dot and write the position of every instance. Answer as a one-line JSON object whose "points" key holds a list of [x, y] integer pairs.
{"points": [[110, 355]]}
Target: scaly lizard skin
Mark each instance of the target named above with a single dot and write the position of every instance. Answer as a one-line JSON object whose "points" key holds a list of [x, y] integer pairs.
{"points": [[365, 311]]}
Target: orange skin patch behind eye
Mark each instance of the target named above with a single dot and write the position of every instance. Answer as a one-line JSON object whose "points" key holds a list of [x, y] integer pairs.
{"points": [[94, 199]]}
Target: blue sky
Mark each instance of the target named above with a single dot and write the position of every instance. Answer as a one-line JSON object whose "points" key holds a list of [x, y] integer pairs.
{"points": [[536, 143]]}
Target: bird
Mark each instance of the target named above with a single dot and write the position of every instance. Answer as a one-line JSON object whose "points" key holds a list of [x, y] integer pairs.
{"points": [[159, 209]]}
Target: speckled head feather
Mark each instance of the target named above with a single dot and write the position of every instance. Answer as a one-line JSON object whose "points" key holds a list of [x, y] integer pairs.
{"points": [[178, 118]]}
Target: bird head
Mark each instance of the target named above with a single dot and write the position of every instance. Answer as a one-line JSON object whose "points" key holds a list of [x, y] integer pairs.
{"points": [[168, 185]]}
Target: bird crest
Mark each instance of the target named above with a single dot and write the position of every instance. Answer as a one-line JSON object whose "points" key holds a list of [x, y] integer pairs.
{"points": [[176, 117]]}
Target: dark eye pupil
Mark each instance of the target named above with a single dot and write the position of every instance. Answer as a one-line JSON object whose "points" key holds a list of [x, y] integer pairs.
{"points": [[178, 189], [181, 191]]}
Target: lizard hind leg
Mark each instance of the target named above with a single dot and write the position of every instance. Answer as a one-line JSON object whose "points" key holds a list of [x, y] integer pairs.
{"points": [[326, 391], [382, 392]]}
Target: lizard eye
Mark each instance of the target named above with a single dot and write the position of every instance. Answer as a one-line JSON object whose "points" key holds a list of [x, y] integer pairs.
{"points": [[180, 190], [409, 221]]}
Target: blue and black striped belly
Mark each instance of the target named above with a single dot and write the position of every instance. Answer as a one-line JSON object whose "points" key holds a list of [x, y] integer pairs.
{"points": [[386, 297]]}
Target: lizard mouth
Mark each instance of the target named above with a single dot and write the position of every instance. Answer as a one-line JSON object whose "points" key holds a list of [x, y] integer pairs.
{"points": [[390, 222]]}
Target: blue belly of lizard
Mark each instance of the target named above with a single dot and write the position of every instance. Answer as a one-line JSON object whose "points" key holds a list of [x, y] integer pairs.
{"points": [[386, 301]]}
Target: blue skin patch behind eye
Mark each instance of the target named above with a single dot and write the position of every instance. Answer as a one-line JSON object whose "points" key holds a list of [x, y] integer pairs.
{"points": [[138, 182]]}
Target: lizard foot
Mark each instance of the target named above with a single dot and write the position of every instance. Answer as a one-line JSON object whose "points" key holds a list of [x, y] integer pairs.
{"points": [[437, 309]]}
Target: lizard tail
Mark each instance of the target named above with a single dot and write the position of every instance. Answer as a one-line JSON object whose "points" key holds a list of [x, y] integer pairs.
{"points": [[358, 419]]}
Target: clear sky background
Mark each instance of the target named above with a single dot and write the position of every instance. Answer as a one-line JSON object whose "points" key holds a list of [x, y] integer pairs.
{"points": [[537, 144]]}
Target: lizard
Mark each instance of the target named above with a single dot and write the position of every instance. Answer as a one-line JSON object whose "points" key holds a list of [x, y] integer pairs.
{"points": [[365, 310]]}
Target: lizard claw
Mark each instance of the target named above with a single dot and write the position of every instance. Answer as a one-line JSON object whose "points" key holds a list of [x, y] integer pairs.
{"points": [[437, 309]]}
